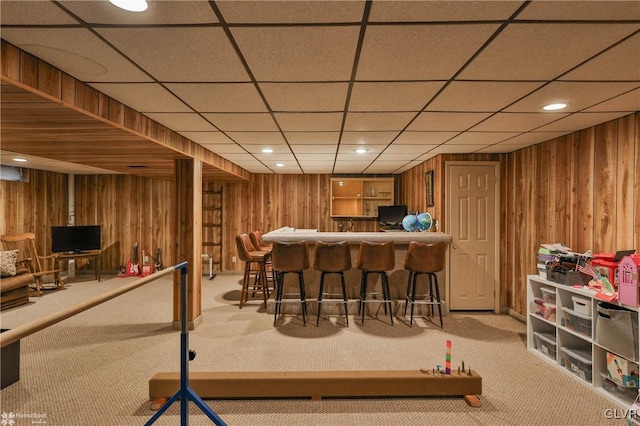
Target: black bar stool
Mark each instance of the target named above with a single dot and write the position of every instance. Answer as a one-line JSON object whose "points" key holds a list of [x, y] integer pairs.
{"points": [[428, 259], [289, 258], [254, 265], [332, 258], [376, 258]]}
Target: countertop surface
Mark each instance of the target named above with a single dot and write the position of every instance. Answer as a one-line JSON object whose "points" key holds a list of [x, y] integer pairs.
{"points": [[287, 234]]}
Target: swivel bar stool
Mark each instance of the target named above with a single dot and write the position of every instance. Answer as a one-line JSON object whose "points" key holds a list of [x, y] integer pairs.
{"points": [[254, 265], [428, 259], [289, 258], [332, 258], [376, 258]]}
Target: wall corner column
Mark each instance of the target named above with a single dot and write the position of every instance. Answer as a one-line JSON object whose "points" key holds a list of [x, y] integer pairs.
{"points": [[188, 238]]}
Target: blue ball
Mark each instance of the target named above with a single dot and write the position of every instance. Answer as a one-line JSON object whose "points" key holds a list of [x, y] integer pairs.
{"points": [[424, 221], [410, 223]]}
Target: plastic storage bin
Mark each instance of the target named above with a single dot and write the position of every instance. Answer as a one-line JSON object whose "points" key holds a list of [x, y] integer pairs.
{"points": [[543, 309], [578, 361], [628, 393], [581, 306], [548, 295], [546, 343], [577, 322]]}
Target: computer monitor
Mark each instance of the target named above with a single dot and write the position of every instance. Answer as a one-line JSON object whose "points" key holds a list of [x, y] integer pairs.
{"points": [[391, 215]]}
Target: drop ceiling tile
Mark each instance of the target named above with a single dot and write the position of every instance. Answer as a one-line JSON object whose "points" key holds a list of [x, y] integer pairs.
{"points": [[420, 138], [480, 95], [581, 121], [501, 148], [382, 121], [400, 157], [410, 165], [253, 166], [618, 63], [309, 121], [298, 53], [363, 138], [533, 138], [33, 13], [225, 148], [305, 96], [578, 95], [425, 11], [350, 166], [282, 157], [516, 121], [311, 158], [257, 138], [385, 166], [447, 121], [551, 50], [277, 150], [205, 51], [220, 97], [182, 122], [158, 12], [392, 96], [629, 101], [397, 148], [207, 137], [314, 149], [317, 169], [288, 167], [236, 157], [143, 97], [481, 138], [243, 122], [312, 138], [419, 52], [291, 11], [456, 149], [351, 150], [77, 52], [581, 10]]}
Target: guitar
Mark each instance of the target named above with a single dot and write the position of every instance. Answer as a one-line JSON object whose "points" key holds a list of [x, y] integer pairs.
{"points": [[133, 268]]}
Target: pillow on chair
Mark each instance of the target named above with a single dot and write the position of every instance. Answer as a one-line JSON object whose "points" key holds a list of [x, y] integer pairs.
{"points": [[8, 263]]}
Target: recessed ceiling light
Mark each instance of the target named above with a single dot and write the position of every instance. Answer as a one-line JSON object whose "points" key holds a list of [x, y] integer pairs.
{"points": [[554, 107], [20, 160], [131, 5], [362, 150], [279, 165], [267, 150]]}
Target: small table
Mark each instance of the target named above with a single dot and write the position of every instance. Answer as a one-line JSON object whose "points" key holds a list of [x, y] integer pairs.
{"points": [[95, 255]]}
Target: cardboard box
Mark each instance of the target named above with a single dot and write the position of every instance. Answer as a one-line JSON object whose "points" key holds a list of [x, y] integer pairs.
{"points": [[622, 371]]}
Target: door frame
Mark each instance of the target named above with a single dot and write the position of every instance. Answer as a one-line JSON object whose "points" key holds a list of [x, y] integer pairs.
{"points": [[496, 169]]}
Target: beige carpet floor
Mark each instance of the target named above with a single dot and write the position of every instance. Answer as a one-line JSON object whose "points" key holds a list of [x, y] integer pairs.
{"points": [[94, 368]]}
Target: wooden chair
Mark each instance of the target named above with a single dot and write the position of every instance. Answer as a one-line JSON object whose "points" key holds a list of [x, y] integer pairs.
{"points": [[43, 268]]}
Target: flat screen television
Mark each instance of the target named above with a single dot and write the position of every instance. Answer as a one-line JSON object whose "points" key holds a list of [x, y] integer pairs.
{"points": [[75, 239], [391, 215]]}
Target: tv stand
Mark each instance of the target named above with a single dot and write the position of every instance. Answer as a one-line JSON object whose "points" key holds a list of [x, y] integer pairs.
{"points": [[89, 255]]}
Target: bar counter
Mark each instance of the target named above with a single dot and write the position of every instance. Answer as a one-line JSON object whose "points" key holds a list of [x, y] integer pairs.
{"points": [[397, 277]]}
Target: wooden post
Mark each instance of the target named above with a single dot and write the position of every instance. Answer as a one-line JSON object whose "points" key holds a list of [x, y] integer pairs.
{"points": [[188, 238]]}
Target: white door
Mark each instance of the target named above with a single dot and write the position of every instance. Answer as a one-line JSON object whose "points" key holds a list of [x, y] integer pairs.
{"points": [[473, 222]]}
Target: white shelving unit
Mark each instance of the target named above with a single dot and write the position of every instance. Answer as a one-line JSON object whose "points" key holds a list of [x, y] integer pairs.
{"points": [[570, 332]]}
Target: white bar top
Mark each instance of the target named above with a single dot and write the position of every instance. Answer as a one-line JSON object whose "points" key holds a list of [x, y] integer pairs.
{"points": [[288, 234]]}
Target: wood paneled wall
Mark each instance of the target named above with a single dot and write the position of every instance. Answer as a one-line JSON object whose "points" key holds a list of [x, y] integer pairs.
{"points": [[34, 206], [581, 189]]}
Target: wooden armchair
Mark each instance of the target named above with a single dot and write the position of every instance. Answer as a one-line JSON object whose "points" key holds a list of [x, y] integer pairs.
{"points": [[43, 268]]}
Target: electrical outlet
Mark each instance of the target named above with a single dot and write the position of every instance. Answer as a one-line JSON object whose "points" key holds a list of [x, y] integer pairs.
{"points": [[233, 259]]}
